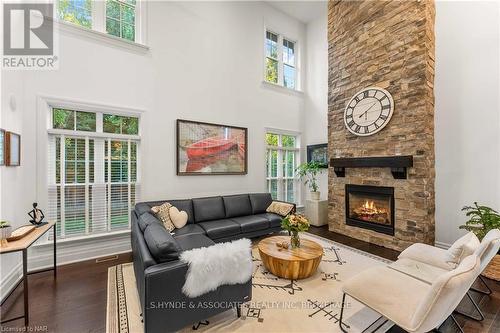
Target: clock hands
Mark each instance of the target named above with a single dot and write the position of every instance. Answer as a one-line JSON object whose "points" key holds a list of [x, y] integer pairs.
{"points": [[366, 112]]}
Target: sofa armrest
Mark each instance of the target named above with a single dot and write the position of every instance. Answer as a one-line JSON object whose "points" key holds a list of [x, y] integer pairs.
{"points": [[168, 309], [427, 254]]}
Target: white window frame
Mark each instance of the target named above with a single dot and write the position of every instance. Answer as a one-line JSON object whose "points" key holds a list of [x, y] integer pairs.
{"points": [[279, 176], [99, 110], [281, 64], [98, 27]]}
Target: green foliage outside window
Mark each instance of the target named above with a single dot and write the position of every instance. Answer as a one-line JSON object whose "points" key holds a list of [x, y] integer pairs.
{"points": [[76, 12], [271, 139], [120, 124], [120, 18], [65, 119]]}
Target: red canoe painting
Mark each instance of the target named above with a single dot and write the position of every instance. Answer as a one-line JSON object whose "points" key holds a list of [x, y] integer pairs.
{"points": [[210, 149]]}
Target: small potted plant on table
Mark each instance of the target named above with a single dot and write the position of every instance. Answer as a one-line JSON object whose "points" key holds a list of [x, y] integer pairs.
{"points": [[482, 219], [295, 223], [5, 232], [308, 173]]}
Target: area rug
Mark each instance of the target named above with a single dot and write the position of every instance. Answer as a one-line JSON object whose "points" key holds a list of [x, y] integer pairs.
{"points": [[278, 305]]}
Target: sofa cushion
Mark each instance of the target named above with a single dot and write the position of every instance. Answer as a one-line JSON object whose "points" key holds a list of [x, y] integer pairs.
{"points": [[189, 242], [189, 229], [251, 223], [280, 208], [207, 209], [146, 219], [162, 213], [274, 219], [462, 248], [260, 202], [145, 207], [185, 205], [161, 244], [220, 228], [237, 205]]}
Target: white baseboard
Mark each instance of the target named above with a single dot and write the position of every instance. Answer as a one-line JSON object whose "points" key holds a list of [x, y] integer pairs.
{"points": [[41, 256], [442, 245]]}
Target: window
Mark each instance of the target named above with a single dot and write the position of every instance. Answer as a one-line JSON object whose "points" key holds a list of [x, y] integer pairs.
{"points": [[280, 62], [114, 17], [120, 18], [78, 12], [282, 158], [93, 180]]}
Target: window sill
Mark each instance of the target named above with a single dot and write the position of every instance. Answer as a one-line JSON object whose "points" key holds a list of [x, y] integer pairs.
{"points": [[83, 239], [104, 38], [281, 89]]}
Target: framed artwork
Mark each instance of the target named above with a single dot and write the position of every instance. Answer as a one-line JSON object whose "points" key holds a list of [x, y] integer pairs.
{"points": [[2, 147], [12, 149], [318, 153], [211, 149]]}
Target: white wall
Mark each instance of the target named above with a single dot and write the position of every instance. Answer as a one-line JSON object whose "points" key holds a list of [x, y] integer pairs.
{"points": [[205, 63], [316, 101], [467, 111]]}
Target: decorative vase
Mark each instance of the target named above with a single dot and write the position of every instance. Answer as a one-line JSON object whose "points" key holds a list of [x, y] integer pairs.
{"points": [[315, 195], [295, 240]]}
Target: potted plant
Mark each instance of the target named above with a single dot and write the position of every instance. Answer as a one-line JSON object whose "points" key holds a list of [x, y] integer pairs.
{"points": [[295, 223], [5, 232], [308, 172], [481, 220]]}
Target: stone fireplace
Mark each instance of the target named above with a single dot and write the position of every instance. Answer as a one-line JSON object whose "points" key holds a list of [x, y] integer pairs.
{"points": [[386, 44]]}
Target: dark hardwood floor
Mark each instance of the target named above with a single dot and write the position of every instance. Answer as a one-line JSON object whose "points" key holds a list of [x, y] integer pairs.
{"points": [[76, 301]]}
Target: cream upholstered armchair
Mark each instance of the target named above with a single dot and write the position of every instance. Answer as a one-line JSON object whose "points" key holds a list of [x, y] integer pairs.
{"points": [[427, 262], [411, 303]]}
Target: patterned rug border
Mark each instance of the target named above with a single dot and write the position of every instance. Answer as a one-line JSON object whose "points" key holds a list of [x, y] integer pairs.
{"points": [[364, 253]]}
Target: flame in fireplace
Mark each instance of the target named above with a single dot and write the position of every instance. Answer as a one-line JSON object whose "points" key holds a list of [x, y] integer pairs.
{"points": [[369, 208]]}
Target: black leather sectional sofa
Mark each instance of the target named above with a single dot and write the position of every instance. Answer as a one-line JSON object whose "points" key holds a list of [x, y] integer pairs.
{"points": [[160, 274]]}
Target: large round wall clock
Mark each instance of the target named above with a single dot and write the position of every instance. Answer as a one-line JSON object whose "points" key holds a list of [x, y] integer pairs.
{"points": [[368, 111]]}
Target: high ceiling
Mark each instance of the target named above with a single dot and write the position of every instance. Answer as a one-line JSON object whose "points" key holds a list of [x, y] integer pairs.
{"points": [[304, 11]]}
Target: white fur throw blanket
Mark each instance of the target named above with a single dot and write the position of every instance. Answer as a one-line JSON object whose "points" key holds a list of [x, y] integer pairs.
{"points": [[217, 265]]}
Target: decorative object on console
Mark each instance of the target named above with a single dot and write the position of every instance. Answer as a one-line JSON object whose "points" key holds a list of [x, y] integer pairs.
{"points": [[5, 232], [319, 154], [162, 212], [12, 149], [211, 149], [178, 218], [2, 147], [368, 111], [309, 171], [295, 223], [36, 215], [280, 208], [21, 232]]}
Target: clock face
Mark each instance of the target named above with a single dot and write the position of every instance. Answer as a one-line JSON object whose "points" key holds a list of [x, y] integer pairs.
{"points": [[368, 111]]}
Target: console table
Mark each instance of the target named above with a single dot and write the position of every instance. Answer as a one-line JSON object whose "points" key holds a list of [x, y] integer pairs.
{"points": [[22, 245]]}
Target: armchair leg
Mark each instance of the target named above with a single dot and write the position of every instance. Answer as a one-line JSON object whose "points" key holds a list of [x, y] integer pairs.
{"points": [[341, 324], [480, 317], [438, 329], [488, 290], [456, 323]]}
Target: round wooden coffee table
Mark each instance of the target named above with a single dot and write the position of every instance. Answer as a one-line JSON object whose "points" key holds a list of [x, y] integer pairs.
{"points": [[290, 263]]}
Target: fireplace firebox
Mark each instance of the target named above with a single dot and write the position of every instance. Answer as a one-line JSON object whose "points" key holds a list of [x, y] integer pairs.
{"points": [[370, 207]]}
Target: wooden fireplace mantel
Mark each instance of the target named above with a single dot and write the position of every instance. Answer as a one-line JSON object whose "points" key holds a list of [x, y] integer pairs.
{"points": [[397, 164]]}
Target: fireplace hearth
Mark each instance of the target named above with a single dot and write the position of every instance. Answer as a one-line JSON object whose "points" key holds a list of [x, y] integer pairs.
{"points": [[370, 207]]}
